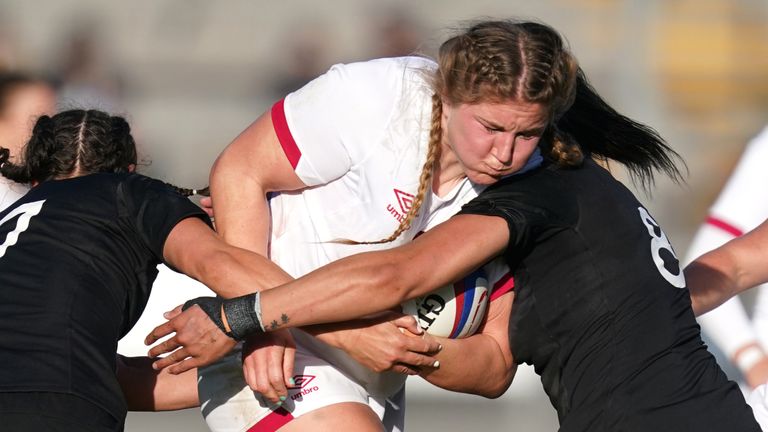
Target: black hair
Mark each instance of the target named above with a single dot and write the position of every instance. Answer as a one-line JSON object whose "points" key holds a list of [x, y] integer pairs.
{"points": [[75, 143], [604, 134]]}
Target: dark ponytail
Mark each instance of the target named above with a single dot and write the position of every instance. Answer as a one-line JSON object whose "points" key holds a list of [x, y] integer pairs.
{"points": [[10, 170], [605, 134], [42, 155]]}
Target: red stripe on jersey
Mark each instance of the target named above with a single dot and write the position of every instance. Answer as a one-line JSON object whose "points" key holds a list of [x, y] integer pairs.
{"points": [[273, 421], [725, 226], [503, 286], [284, 134]]}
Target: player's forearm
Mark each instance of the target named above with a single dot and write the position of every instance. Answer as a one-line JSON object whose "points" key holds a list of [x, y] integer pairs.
{"points": [[728, 270], [372, 282], [346, 289], [196, 250], [331, 333], [475, 365], [146, 389], [235, 272]]}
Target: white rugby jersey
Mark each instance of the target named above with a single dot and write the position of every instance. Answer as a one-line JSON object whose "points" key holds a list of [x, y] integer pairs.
{"points": [[740, 207], [358, 136]]}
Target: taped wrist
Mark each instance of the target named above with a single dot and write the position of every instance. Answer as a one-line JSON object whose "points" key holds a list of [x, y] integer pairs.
{"points": [[244, 315], [212, 307]]}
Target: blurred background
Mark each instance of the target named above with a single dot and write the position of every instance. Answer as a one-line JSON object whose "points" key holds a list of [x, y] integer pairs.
{"points": [[191, 74]]}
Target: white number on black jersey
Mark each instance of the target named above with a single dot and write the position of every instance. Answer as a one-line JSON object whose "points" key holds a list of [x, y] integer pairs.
{"points": [[27, 211], [661, 250]]}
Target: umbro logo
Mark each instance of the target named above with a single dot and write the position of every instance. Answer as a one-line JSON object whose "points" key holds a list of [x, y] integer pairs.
{"points": [[302, 384], [404, 202], [404, 199]]}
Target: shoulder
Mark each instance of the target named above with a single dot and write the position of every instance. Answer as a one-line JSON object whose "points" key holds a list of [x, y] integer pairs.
{"points": [[549, 194], [364, 102], [537, 185], [146, 182], [141, 197], [138, 190]]}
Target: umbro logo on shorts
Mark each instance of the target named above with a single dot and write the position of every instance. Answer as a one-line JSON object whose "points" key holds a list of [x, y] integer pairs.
{"points": [[302, 384]]}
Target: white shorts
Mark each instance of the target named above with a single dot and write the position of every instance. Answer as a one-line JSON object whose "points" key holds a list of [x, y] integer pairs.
{"points": [[229, 405]]}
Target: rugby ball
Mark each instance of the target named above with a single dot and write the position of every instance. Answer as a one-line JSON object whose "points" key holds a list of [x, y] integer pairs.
{"points": [[455, 310]]}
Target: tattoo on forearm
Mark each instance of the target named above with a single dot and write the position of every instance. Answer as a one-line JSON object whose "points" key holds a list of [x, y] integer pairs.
{"points": [[284, 320]]}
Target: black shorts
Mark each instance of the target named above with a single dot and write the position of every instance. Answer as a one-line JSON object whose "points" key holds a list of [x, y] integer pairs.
{"points": [[54, 412]]}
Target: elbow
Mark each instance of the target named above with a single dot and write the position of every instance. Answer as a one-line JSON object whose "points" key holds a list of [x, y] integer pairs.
{"points": [[228, 169], [497, 388], [491, 385]]}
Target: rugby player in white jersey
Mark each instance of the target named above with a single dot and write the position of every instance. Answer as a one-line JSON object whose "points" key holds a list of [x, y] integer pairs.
{"points": [[736, 211]]}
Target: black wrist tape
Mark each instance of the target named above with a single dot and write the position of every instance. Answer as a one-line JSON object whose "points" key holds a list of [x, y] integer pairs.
{"points": [[244, 316], [212, 307]]}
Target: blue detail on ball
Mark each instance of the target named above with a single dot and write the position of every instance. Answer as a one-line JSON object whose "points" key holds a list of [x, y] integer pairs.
{"points": [[465, 289]]}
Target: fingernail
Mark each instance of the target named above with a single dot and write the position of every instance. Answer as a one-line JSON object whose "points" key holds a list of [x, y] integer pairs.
{"points": [[440, 347], [292, 381], [165, 315], [419, 330], [154, 366], [279, 403], [282, 398], [436, 364]]}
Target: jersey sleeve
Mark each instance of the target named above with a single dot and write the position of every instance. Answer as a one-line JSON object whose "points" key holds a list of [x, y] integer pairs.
{"points": [[521, 219], [327, 126], [155, 208]]}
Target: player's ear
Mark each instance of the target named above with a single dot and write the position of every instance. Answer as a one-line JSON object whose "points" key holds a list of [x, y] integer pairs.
{"points": [[131, 168]]}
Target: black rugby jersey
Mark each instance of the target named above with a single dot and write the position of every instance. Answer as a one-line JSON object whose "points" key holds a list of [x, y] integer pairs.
{"points": [[601, 310], [77, 261]]}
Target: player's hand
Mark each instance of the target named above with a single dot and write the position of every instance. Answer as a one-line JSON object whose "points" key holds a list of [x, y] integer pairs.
{"points": [[389, 342], [268, 364], [206, 203], [194, 341]]}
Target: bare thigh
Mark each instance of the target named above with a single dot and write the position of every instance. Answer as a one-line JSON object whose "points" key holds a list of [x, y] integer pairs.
{"points": [[346, 416]]}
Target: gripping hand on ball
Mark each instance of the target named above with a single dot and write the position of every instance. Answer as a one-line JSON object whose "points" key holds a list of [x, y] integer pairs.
{"points": [[389, 341]]}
